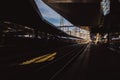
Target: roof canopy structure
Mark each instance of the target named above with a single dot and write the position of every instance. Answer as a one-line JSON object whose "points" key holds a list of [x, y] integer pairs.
{"points": [[78, 12], [26, 13], [89, 13]]}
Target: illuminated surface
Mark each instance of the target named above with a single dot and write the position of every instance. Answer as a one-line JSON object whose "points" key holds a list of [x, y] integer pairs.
{"points": [[105, 4]]}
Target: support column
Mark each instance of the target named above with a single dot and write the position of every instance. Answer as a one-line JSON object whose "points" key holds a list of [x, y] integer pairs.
{"points": [[108, 28], [1, 33]]}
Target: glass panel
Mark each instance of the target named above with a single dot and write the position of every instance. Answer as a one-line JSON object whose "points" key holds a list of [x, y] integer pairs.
{"points": [[50, 15]]}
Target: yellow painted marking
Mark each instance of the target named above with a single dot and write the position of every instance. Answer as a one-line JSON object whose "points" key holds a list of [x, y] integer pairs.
{"points": [[50, 59], [47, 57]]}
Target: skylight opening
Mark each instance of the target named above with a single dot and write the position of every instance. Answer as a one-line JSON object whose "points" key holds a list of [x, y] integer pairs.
{"points": [[50, 15]]}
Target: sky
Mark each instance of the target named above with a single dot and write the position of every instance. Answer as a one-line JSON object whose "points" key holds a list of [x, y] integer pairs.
{"points": [[49, 14], [52, 16]]}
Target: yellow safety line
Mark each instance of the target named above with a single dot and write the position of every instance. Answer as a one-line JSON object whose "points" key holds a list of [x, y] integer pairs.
{"points": [[39, 59], [47, 58]]}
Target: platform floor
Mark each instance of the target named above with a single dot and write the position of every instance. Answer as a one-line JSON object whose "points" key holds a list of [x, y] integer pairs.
{"points": [[71, 62]]}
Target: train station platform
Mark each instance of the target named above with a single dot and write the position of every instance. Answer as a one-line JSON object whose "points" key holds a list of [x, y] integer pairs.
{"points": [[81, 42], [98, 63], [70, 62]]}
